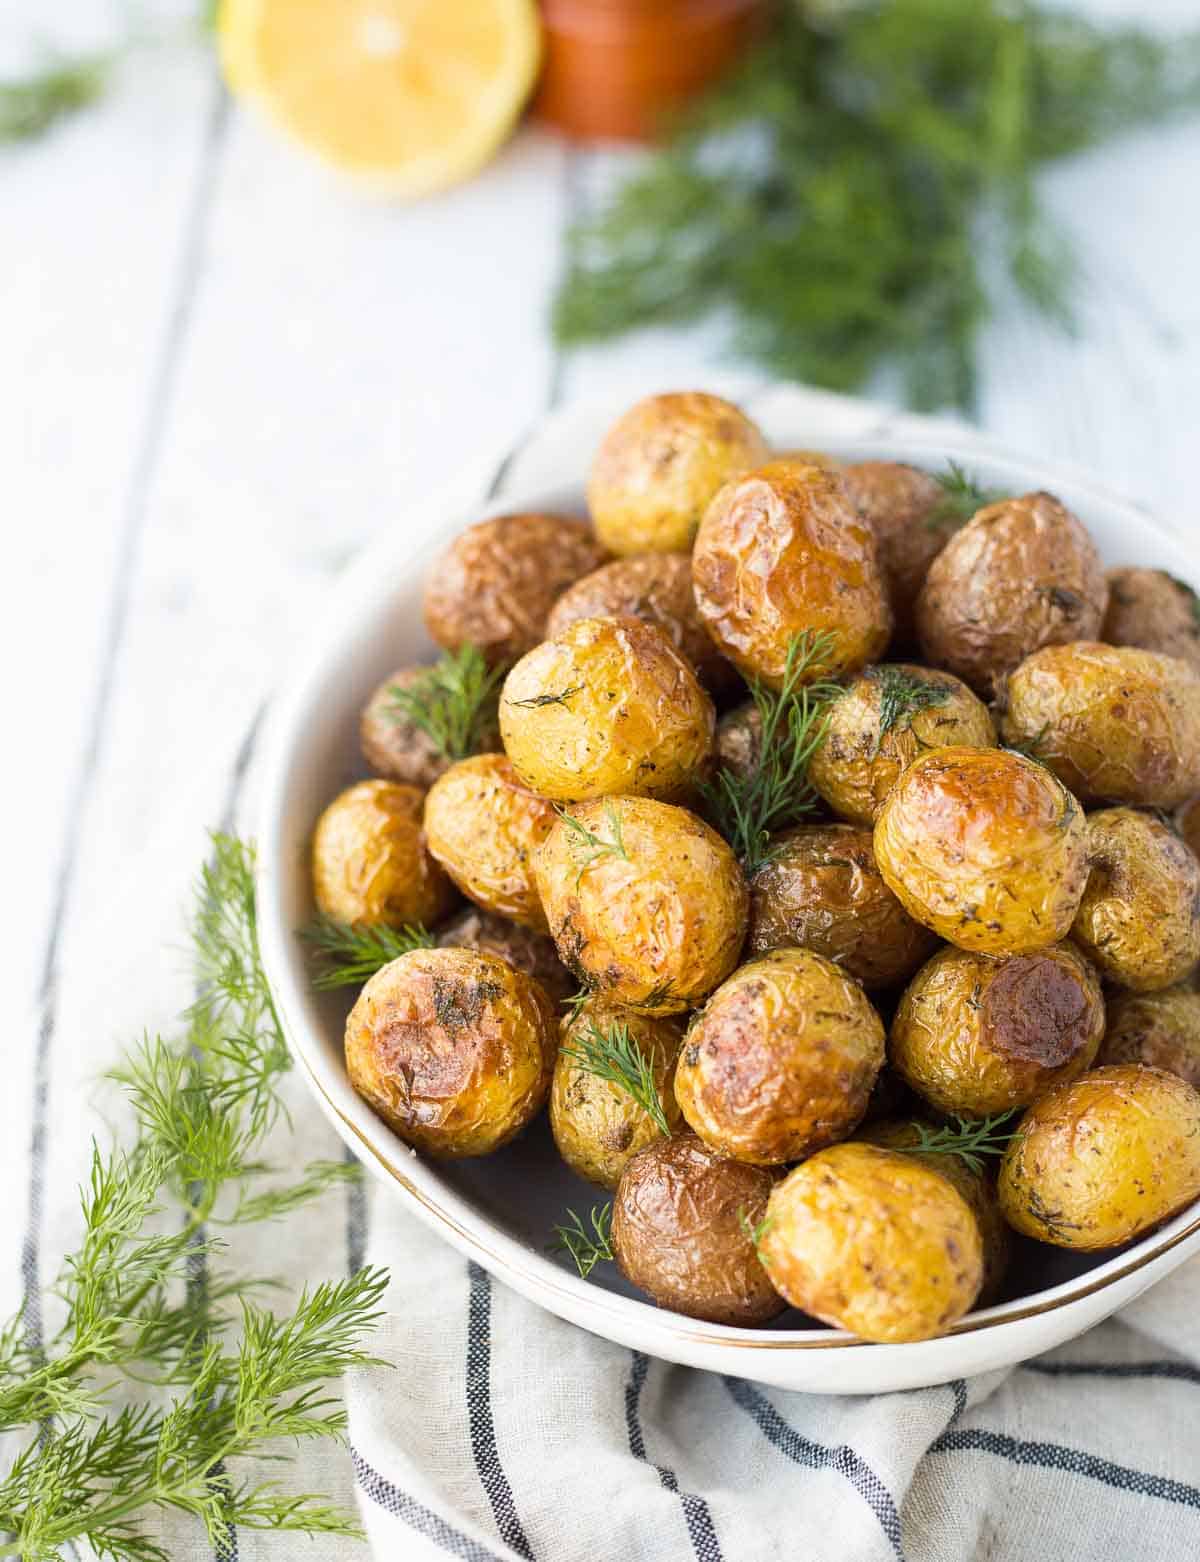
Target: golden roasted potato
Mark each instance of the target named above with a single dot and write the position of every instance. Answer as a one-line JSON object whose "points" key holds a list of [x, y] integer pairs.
{"points": [[1114, 723], [496, 583], [370, 863], [658, 588], [598, 1126], [392, 743], [608, 706], [525, 950], [1104, 1159], [820, 889], [781, 1059], [976, 1035], [985, 847], [782, 551], [1153, 610], [1139, 919], [659, 466], [1022, 574], [453, 1049], [906, 510], [887, 716], [682, 1229], [646, 903], [1160, 1029], [483, 824], [873, 1241]]}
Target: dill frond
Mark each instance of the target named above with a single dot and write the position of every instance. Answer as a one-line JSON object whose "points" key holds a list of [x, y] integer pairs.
{"points": [[901, 696], [588, 1245], [348, 956], [612, 1054], [453, 702], [970, 1141]]}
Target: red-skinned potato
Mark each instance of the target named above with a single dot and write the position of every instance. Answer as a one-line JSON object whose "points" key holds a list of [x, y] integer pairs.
{"points": [[1159, 1029], [1153, 610]]}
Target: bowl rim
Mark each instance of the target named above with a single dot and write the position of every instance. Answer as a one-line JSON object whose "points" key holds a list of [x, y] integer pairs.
{"points": [[373, 576]]}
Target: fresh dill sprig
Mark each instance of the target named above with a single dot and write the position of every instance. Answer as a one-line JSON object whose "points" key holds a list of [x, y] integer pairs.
{"points": [[970, 1141], [453, 702], [30, 107], [962, 497], [587, 847], [901, 696], [612, 1054], [586, 1247], [747, 809], [756, 1232], [348, 956], [537, 701]]}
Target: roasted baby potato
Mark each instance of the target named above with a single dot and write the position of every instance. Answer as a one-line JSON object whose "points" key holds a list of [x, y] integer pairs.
{"points": [[1021, 575], [660, 465], [873, 1241], [985, 847], [646, 903], [496, 583], [1114, 723], [1139, 919], [523, 949], [976, 1035], [608, 706], [1153, 610], [682, 1230], [887, 716], [782, 551], [906, 510], [1161, 1030], [392, 743], [370, 863], [454, 1049], [781, 1059], [658, 588], [820, 889], [597, 1125], [483, 824], [1104, 1159]]}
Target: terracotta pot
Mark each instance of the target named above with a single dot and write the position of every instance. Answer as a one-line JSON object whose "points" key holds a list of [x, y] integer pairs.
{"points": [[615, 68]]}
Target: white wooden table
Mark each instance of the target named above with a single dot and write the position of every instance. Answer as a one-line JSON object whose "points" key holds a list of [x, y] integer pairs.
{"points": [[221, 372]]}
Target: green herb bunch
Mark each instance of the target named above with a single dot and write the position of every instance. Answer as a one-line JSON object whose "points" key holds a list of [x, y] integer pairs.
{"points": [[453, 702], [348, 956], [611, 1053], [969, 1139]]}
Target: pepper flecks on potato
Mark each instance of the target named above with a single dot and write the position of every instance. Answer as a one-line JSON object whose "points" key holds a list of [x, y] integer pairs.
{"points": [[1160, 1029], [1114, 723], [370, 862], [873, 1241], [646, 903], [1022, 574], [661, 463], [1153, 610], [976, 1035], [683, 1231], [821, 889], [781, 1060], [454, 1049], [1104, 1159], [782, 551], [986, 847], [496, 583], [887, 716], [525, 950], [608, 706], [1139, 919]]}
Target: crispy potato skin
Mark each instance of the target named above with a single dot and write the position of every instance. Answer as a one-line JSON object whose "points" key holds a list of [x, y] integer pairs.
{"points": [[783, 550], [873, 1241], [1020, 575], [1160, 1030], [523, 949], [781, 1060], [1139, 919], [976, 1187], [975, 1035], [394, 746], [898, 503], [679, 1232], [632, 717], [656, 587], [857, 764], [1114, 723], [496, 583], [985, 847], [1153, 610], [484, 825], [453, 1049], [1103, 1160], [659, 466], [656, 929], [821, 889], [369, 859], [597, 1126]]}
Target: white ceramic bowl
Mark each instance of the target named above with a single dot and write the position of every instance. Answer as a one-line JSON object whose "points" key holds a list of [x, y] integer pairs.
{"points": [[500, 1210]]}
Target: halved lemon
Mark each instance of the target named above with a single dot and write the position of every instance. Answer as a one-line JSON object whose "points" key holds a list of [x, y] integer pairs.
{"points": [[412, 95]]}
